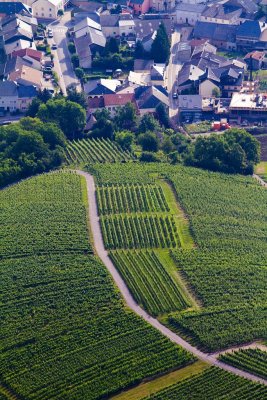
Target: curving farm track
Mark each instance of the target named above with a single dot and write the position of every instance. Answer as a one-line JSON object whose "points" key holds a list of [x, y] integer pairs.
{"points": [[131, 303]]}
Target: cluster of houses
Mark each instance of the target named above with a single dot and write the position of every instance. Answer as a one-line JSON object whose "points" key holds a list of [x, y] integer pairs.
{"points": [[21, 68]]}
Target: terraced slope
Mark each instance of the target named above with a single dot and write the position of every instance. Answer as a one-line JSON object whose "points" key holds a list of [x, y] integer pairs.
{"points": [[65, 332]]}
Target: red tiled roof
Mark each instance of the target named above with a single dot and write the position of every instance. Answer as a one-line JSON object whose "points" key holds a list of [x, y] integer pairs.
{"points": [[257, 55], [35, 54], [197, 42], [118, 99]]}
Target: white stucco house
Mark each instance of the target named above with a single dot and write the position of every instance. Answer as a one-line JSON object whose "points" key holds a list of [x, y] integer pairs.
{"points": [[47, 9]]}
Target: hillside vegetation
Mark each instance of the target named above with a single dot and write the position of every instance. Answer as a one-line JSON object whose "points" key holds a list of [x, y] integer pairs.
{"points": [[65, 333], [226, 270]]}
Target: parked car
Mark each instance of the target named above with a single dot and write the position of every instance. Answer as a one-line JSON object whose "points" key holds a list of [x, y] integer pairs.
{"points": [[175, 95], [50, 34], [39, 37], [54, 46]]}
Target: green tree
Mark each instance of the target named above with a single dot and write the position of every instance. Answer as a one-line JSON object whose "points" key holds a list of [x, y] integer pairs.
{"points": [[160, 49], [60, 13], [44, 95], [162, 115], [76, 97], [112, 46], [72, 48], [216, 92], [125, 139], [70, 116], [33, 107], [75, 60], [149, 142], [79, 73], [125, 117], [103, 127], [148, 123]]}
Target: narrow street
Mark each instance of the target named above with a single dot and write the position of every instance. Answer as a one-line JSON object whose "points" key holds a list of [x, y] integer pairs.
{"points": [[62, 58], [173, 69]]}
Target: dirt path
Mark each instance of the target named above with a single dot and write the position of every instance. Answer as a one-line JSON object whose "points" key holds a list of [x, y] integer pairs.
{"points": [[254, 345], [131, 303]]}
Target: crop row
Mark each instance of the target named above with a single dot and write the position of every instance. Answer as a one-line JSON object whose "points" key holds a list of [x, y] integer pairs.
{"points": [[251, 360], [146, 231], [64, 330], [96, 150], [131, 198], [213, 384], [227, 268], [151, 284]]}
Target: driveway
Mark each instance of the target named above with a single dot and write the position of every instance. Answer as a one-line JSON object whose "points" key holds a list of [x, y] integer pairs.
{"points": [[62, 58]]}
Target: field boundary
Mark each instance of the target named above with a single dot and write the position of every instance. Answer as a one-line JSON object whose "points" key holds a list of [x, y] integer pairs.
{"points": [[129, 300]]}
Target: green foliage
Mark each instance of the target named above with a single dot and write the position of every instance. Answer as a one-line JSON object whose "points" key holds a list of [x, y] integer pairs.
{"points": [[29, 147], [71, 47], [212, 384], [160, 49], [76, 97], [113, 61], [75, 60], [104, 126], [162, 115], [96, 151], [148, 156], [235, 151], [125, 117], [216, 92], [70, 116], [112, 46], [33, 108], [149, 142], [151, 284], [125, 139], [148, 124], [250, 360], [65, 332], [79, 72]]}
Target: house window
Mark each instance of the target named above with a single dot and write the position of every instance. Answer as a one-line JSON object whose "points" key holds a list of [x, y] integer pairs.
{"points": [[50, 15], [50, 9], [36, 13], [42, 14]]}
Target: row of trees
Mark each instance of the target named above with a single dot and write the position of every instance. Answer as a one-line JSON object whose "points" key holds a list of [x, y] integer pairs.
{"points": [[160, 49]]}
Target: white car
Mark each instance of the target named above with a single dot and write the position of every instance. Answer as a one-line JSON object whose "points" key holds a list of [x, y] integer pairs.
{"points": [[175, 95], [54, 46]]}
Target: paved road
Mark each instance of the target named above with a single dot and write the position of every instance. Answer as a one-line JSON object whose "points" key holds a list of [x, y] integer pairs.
{"points": [[173, 69], [103, 255], [62, 58]]}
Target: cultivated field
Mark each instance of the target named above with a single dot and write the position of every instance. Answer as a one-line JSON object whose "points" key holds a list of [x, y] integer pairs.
{"points": [[96, 150], [65, 333], [263, 141], [213, 384], [226, 268], [251, 360]]}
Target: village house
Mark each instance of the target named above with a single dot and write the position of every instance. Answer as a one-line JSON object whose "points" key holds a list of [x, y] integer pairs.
{"points": [[222, 36], [254, 60], [247, 106], [222, 14], [149, 97], [187, 13], [47, 9], [16, 35]]}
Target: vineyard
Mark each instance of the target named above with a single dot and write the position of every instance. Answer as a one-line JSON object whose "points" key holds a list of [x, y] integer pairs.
{"points": [[213, 384], [96, 151], [139, 231], [152, 285], [226, 269], [64, 330], [130, 199], [250, 360]]}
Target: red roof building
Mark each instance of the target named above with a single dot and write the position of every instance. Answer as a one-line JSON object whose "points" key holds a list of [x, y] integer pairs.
{"points": [[34, 54]]}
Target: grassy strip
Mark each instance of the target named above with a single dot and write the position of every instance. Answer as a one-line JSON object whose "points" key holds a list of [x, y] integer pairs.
{"points": [[180, 218], [148, 388], [261, 170]]}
